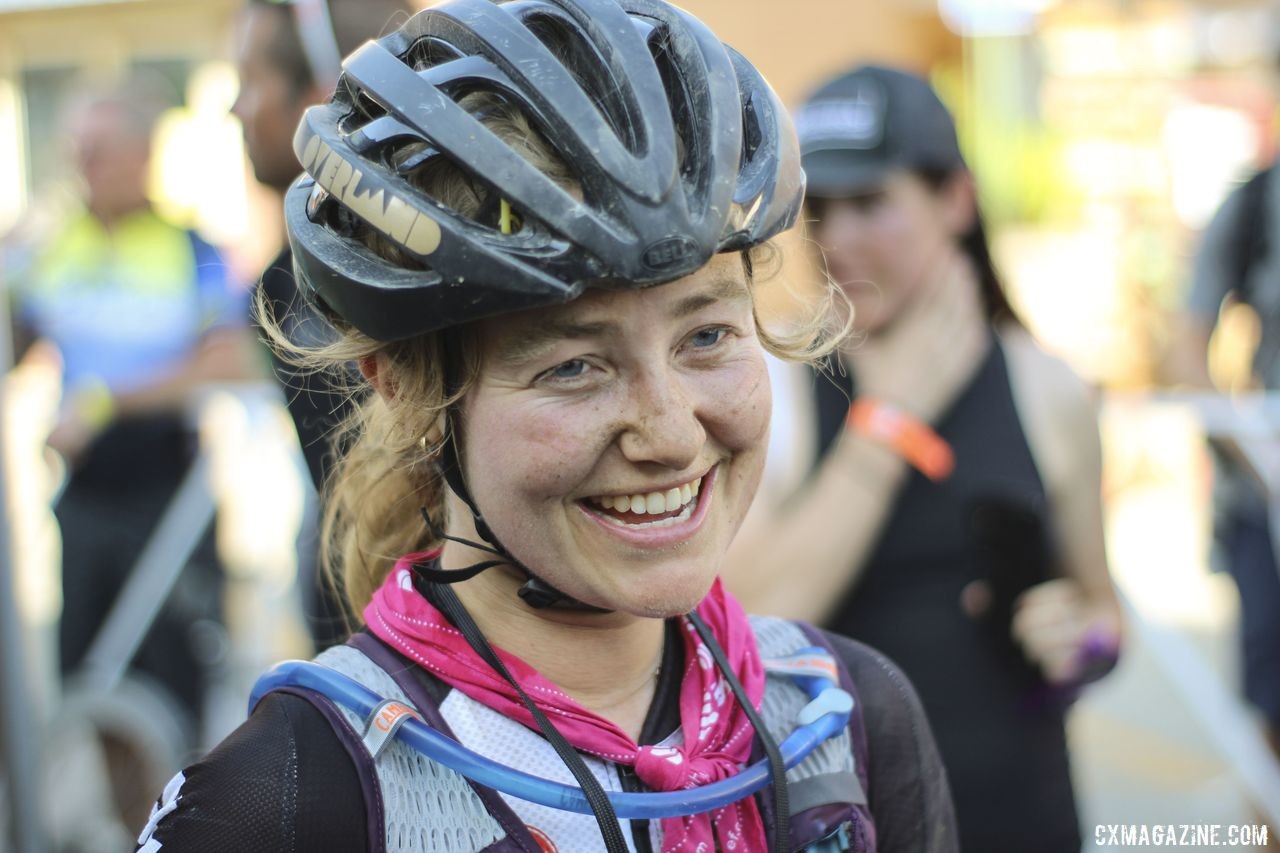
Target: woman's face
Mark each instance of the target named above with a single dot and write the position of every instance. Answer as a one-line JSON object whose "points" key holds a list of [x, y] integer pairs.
{"points": [[614, 444], [880, 245]]}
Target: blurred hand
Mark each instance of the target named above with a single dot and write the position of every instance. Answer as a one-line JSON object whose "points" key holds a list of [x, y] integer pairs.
{"points": [[1051, 622], [928, 354], [86, 412]]}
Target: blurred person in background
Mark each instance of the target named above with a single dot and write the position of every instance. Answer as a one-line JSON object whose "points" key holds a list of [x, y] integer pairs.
{"points": [[1238, 260], [950, 509], [138, 313], [288, 60]]}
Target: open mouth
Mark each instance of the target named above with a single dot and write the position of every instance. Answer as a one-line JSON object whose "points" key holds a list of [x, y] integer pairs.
{"points": [[648, 509]]}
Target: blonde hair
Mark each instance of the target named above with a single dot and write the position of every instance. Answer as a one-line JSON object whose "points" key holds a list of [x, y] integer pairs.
{"points": [[385, 476]]}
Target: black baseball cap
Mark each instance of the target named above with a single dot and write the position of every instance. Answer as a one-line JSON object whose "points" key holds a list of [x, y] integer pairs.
{"points": [[860, 125]]}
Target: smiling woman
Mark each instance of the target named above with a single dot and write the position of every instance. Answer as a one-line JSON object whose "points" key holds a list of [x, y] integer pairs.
{"points": [[569, 388]]}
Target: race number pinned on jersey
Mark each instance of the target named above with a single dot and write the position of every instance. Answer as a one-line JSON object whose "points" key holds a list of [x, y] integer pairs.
{"points": [[382, 724]]}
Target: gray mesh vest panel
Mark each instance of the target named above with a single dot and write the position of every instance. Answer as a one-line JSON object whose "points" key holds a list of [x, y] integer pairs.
{"points": [[828, 773], [427, 806]]}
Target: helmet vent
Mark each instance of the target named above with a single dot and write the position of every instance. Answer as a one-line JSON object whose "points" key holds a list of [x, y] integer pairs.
{"points": [[683, 118], [430, 51], [585, 63], [367, 109], [752, 135]]}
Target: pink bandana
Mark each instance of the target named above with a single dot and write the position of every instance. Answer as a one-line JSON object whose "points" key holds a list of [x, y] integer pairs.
{"points": [[717, 734]]}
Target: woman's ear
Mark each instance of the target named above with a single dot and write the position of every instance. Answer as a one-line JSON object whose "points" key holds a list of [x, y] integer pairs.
{"points": [[373, 369], [959, 202]]}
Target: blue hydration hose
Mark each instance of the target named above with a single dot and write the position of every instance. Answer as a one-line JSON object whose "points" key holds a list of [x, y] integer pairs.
{"points": [[825, 716]]}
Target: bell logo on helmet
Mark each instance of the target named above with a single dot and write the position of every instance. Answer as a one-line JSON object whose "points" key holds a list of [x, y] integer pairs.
{"points": [[393, 216], [668, 252]]}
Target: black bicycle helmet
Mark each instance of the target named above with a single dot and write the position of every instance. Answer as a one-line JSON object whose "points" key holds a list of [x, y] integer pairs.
{"points": [[677, 147]]}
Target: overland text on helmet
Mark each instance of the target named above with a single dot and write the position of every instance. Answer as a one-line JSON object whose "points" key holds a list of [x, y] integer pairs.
{"points": [[393, 216]]}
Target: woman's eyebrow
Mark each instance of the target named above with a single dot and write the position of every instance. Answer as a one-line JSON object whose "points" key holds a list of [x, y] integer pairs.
{"points": [[720, 290], [532, 342], [536, 340]]}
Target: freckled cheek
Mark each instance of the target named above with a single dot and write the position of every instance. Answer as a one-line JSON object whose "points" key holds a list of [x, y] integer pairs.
{"points": [[737, 418], [550, 453], [736, 406]]}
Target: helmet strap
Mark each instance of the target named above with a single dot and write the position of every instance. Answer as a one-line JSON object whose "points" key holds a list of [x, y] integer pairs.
{"points": [[606, 818], [535, 592]]}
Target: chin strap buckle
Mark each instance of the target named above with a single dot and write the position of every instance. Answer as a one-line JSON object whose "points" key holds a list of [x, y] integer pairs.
{"points": [[539, 595]]}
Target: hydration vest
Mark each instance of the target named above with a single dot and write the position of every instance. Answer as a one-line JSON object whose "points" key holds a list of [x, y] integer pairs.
{"points": [[415, 804]]}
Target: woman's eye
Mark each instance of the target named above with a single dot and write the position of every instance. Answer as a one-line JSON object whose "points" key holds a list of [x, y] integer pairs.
{"points": [[704, 338], [571, 369]]}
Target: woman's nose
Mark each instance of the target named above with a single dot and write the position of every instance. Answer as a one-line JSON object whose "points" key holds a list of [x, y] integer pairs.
{"points": [[663, 426]]}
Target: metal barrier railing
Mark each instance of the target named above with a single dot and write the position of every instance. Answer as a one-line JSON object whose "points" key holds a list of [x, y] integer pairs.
{"points": [[161, 563], [1232, 732], [22, 730]]}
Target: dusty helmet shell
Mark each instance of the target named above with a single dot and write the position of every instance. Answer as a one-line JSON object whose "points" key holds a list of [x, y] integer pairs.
{"points": [[677, 147]]}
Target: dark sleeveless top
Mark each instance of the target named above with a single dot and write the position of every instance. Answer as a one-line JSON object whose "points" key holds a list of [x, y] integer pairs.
{"points": [[1003, 744]]}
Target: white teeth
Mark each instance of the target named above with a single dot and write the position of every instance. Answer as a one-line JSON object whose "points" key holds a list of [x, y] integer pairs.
{"points": [[661, 522], [653, 503]]}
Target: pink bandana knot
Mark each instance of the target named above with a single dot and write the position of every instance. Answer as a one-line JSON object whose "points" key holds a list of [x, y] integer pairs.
{"points": [[667, 768], [662, 768], [716, 734]]}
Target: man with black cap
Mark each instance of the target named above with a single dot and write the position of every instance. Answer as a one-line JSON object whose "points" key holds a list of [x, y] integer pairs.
{"points": [[289, 59], [925, 526]]}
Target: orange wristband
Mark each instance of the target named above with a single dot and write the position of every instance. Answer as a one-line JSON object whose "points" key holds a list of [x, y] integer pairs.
{"points": [[911, 439]]}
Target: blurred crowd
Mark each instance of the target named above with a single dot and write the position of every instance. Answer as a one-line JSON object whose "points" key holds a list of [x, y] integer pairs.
{"points": [[935, 486]]}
